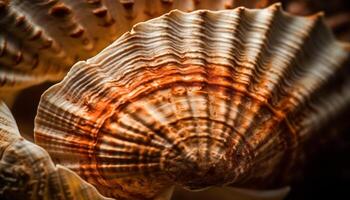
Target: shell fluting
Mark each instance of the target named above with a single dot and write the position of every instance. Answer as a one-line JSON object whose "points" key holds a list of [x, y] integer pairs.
{"points": [[27, 171], [41, 39], [196, 99]]}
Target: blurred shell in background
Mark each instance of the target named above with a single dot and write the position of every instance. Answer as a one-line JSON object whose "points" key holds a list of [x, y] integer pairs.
{"points": [[197, 99], [337, 13]]}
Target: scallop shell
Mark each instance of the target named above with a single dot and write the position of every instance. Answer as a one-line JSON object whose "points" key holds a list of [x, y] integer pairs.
{"points": [[41, 39], [197, 99], [27, 172]]}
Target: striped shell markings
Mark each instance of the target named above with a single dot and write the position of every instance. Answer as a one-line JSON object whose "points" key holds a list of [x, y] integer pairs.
{"points": [[200, 99], [27, 171], [41, 39]]}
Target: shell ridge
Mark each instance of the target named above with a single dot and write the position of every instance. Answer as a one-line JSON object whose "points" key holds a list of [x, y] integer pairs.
{"points": [[293, 71], [320, 75], [247, 128], [8, 128], [317, 111]]}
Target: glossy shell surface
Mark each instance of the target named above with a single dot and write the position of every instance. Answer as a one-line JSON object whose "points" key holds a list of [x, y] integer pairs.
{"points": [[197, 99]]}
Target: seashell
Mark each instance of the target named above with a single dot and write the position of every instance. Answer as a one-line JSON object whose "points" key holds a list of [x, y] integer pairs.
{"points": [[27, 172], [200, 99], [41, 39]]}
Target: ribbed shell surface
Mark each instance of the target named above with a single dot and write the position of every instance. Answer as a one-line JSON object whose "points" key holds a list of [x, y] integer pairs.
{"points": [[41, 39], [27, 171], [196, 99]]}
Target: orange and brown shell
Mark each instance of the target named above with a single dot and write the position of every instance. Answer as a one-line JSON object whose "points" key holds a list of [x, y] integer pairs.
{"points": [[27, 171], [206, 98], [41, 39]]}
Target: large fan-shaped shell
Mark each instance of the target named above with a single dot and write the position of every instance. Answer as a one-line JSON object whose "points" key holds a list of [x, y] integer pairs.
{"points": [[41, 39], [27, 172], [198, 99]]}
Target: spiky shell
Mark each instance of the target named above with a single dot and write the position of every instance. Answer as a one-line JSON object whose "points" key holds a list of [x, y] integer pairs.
{"points": [[27, 172], [41, 39], [199, 99]]}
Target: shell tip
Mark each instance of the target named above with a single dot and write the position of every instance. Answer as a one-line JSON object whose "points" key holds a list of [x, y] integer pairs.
{"points": [[277, 5], [318, 15]]}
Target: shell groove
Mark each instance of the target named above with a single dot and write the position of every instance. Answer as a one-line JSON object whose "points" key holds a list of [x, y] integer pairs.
{"points": [[27, 172], [196, 99], [41, 39]]}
